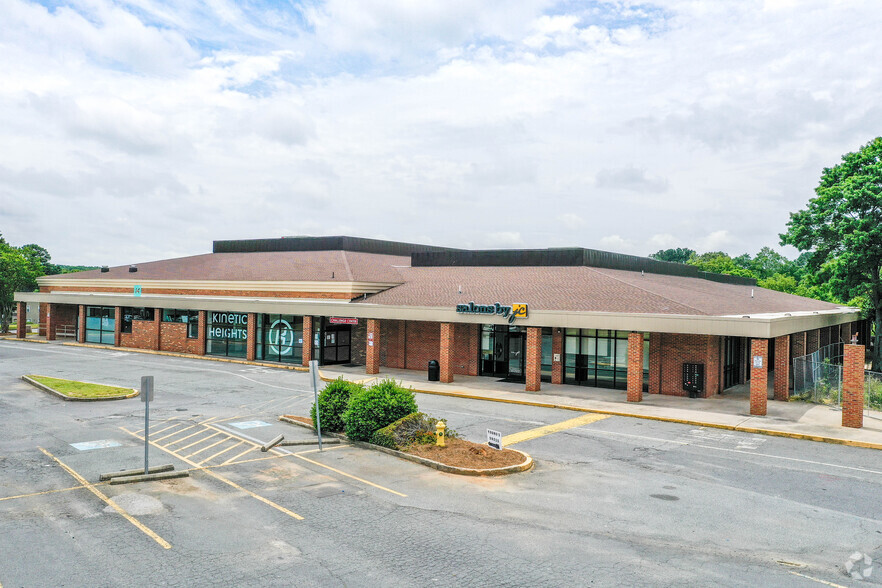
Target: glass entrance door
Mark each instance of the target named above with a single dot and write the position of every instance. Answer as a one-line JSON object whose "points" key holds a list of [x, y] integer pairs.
{"points": [[516, 355]]}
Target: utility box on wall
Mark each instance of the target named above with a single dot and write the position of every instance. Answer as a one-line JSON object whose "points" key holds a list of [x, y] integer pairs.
{"points": [[693, 379]]}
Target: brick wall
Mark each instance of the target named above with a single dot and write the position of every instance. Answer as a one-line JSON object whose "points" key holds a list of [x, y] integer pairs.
{"points": [[146, 289], [307, 340], [445, 351], [372, 355], [824, 337], [811, 341], [655, 341], [782, 367], [392, 344], [533, 359], [677, 349], [557, 348], [173, 337], [358, 345], [144, 335], [423, 342]]}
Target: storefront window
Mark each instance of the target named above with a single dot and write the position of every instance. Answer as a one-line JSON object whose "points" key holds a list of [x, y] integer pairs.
{"points": [[190, 317], [280, 338], [135, 314], [100, 324], [227, 334], [598, 358]]}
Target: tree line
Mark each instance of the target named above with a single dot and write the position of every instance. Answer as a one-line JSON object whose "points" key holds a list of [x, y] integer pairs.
{"points": [[19, 269]]}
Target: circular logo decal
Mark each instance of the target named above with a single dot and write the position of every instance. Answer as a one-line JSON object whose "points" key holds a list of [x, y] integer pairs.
{"points": [[281, 337]]}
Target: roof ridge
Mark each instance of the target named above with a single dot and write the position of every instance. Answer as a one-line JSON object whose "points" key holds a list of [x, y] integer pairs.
{"points": [[346, 265], [670, 300]]}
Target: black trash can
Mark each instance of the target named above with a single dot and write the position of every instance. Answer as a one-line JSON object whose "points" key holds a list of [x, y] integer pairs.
{"points": [[434, 371]]}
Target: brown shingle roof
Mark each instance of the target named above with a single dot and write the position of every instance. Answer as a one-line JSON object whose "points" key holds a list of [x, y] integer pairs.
{"points": [[587, 289], [345, 266]]}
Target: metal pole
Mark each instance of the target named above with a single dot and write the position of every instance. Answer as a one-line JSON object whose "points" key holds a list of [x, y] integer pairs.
{"points": [[146, 434], [313, 369]]}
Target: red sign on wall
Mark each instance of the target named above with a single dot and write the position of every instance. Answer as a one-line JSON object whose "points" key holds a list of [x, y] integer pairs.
{"points": [[336, 320]]}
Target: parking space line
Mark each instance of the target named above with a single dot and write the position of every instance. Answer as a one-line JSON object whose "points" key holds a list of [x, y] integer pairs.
{"points": [[818, 580], [166, 429], [175, 433], [209, 447], [363, 481], [197, 442], [549, 429], [207, 421], [45, 492], [236, 434], [147, 531], [222, 452], [181, 439], [220, 478], [232, 459]]}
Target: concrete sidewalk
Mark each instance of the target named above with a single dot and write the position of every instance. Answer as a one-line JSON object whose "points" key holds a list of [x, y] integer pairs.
{"points": [[731, 410]]}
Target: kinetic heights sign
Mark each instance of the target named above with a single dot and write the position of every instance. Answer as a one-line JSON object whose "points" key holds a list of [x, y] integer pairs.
{"points": [[511, 312]]}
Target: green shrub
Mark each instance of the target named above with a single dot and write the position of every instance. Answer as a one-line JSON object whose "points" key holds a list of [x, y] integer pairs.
{"points": [[372, 409], [333, 401], [415, 428]]}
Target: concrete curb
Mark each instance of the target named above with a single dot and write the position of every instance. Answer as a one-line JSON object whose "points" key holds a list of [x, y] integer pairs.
{"points": [[54, 392], [512, 469], [12, 337], [136, 472], [149, 477]]}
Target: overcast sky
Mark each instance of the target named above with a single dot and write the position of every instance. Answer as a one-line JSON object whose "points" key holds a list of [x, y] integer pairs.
{"points": [[141, 130]]}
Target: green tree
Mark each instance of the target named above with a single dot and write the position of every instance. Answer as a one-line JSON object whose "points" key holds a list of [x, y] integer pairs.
{"points": [[842, 227], [678, 255], [18, 273], [718, 262], [769, 262]]}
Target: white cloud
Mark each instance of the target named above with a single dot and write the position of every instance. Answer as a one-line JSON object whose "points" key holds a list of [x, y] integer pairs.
{"points": [[473, 124]]}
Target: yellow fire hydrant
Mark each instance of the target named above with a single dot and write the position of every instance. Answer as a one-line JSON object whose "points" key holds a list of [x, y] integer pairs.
{"points": [[439, 434]]}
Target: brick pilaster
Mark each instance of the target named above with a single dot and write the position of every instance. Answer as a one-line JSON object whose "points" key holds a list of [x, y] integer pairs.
{"points": [[782, 367], [81, 324], [51, 321], [444, 352], [21, 325], [251, 337], [635, 367], [853, 386], [202, 332], [533, 359], [372, 352], [557, 350], [759, 387], [117, 325], [655, 345], [307, 340]]}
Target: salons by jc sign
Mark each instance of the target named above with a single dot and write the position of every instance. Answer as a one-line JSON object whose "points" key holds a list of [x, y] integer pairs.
{"points": [[511, 312]]}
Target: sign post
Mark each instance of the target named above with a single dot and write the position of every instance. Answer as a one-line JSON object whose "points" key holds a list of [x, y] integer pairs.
{"points": [[146, 397], [313, 370]]}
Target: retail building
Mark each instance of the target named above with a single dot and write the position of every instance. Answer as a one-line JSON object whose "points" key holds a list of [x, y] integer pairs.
{"points": [[573, 316]]}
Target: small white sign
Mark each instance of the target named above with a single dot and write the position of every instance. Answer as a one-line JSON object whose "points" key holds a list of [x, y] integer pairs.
{"points": [[370, 336], [757, 361], [557, 357], [494, 439]]}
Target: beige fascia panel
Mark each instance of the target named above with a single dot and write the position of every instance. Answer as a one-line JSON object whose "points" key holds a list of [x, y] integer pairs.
{"points": [[253, 286], [764, 327]]}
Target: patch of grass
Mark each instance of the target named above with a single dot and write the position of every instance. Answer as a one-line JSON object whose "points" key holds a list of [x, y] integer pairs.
{"points": [[75, 389]]}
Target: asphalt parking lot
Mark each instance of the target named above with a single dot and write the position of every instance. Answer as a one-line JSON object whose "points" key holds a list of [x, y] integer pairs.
{"points": [[616, 501]]}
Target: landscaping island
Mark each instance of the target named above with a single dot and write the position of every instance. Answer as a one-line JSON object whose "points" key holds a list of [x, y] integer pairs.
{"points": [[74, 390]]}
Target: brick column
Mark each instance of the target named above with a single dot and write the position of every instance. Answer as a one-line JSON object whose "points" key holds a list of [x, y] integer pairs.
{"points": [[251, 337], [853, 386], [445, 351], [759, 376], [533, 359], [557, 350], [157, 328], [372, 353], [797, 344], [21, 325], [117, 325], [202, 331], [635, 367], [307, 340], [782, 367], [81, 324], [51, 321]]}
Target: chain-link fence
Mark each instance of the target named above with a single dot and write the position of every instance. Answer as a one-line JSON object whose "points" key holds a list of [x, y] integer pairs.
{"points": [[817, 377]]}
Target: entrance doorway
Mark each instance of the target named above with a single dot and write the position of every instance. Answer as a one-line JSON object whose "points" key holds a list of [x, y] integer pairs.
{"points": [[733, 355], [503, 351], [336, 343]]}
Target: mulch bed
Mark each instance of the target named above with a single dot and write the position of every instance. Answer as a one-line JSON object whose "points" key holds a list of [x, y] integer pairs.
{"points": [[466, 454], [458, 452]]}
